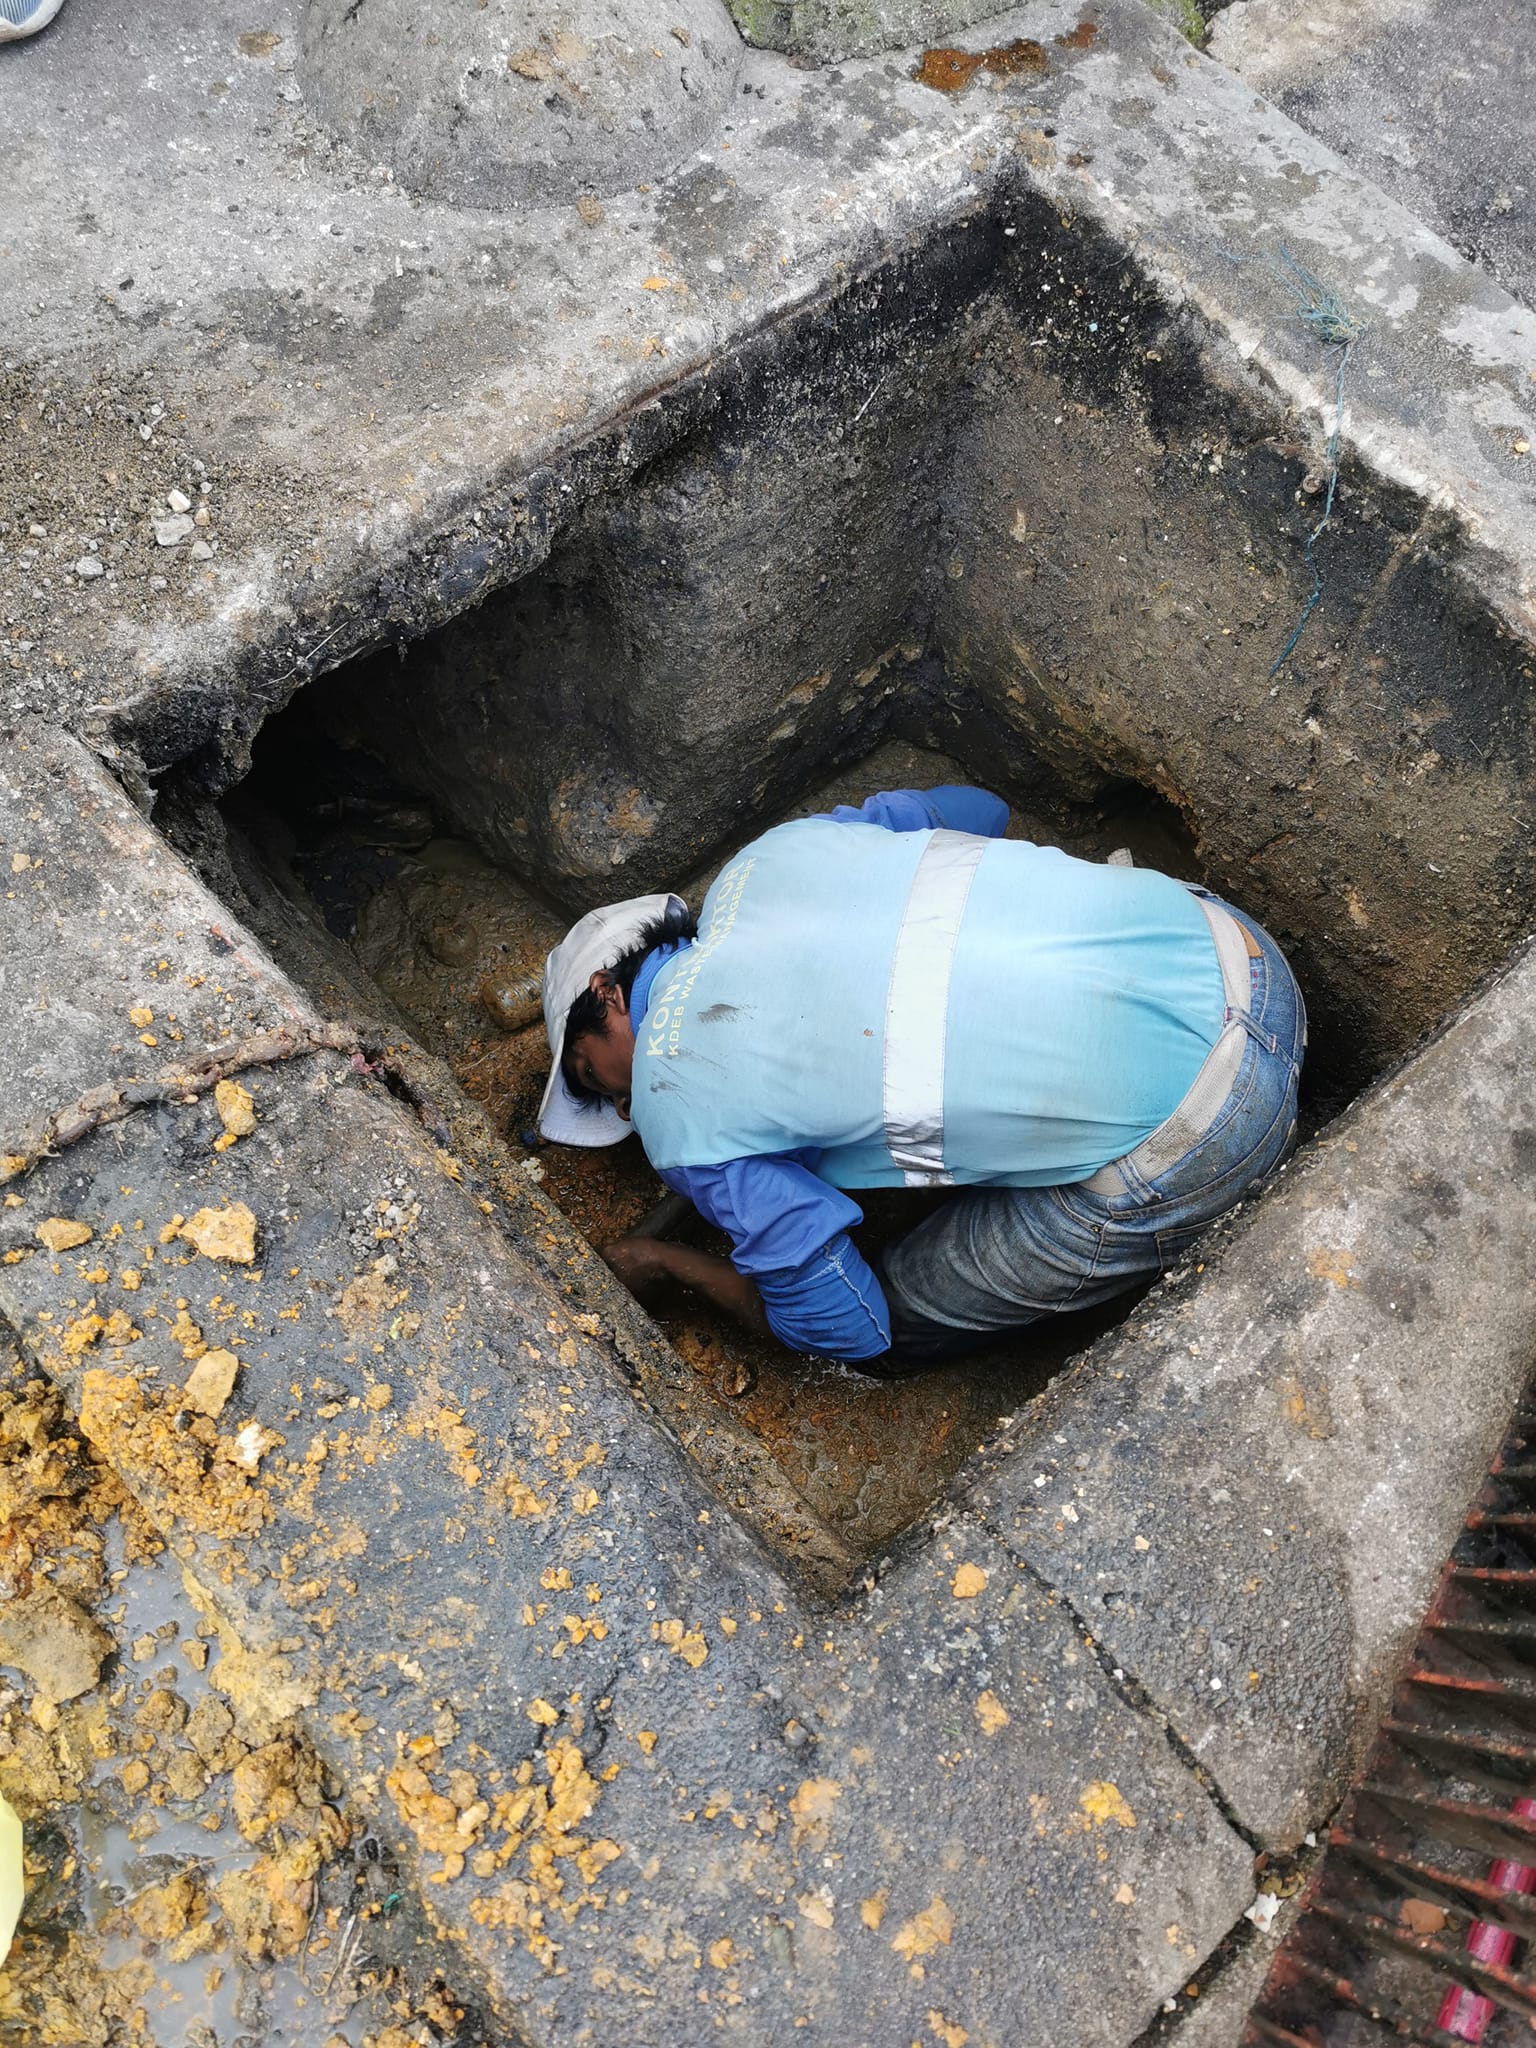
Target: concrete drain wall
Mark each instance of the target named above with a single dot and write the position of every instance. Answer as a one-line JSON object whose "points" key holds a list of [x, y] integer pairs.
{"points": [[996, 499], [1048, 537], [1006, 444]]}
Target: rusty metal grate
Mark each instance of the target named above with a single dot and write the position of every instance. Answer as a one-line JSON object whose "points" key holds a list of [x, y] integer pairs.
{"points": [[1419, 1922]]}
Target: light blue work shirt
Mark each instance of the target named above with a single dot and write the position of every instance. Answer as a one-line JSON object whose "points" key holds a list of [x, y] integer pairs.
{"points": [[788, 1224]]}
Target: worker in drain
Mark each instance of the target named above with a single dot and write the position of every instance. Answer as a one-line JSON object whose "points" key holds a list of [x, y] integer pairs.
{"points": [[1099, 1060]]}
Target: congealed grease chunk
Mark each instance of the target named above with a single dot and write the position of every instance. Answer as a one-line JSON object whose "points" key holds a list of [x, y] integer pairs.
{"points": [[62, 1234], [237, 1113], [949, 70], [211, 1382], [227, 1233]]}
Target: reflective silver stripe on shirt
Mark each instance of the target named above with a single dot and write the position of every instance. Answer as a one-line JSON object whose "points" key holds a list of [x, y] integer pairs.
{"points": [[917, 1006]]}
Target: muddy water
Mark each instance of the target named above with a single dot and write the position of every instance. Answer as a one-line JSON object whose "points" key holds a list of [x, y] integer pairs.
{"points": [[435, 924]]}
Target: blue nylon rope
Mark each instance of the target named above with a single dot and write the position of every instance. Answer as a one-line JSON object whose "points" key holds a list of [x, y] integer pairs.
{"points": [[1335, 327]]}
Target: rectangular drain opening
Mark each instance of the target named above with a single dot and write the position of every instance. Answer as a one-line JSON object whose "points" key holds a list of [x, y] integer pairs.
{"points": [[324, 833], [1062, 572]]}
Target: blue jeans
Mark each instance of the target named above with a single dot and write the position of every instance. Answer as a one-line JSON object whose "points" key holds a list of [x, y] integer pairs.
{"points": [[995, 1259]]}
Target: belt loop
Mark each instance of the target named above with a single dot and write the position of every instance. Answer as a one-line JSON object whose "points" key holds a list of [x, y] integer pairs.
{"points": [[1259, 1036]]}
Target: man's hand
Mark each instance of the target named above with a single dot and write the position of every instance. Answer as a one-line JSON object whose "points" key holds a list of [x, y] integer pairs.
{"points": [[639, 1261]]}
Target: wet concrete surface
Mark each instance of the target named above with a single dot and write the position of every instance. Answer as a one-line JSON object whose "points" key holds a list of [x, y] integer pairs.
{"points": [[193, 1874], [607, 1737]]}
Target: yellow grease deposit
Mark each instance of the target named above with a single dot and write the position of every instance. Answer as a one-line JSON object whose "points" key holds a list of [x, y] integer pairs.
{"points": [[1103, 1802], [237, 1113], [204, 1478], [538, 1822], [925, 1931], [227, 1233], [60, 1234], [154, 1744]]}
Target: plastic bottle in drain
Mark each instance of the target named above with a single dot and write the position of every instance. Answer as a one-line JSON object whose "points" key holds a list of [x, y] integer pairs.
{"points": [[513, 996]]}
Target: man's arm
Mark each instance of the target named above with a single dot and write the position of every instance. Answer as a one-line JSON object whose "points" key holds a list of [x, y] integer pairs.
{"points": [[793, 1271], [640, 1261], [953, 807]]}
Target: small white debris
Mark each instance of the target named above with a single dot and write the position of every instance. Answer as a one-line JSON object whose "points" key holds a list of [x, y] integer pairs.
{"points": [[200, 551], [170, 533], [87, 567], [36, 532], [1068, 1512], [178, 501], [1262, 1912], [252, 1443]]}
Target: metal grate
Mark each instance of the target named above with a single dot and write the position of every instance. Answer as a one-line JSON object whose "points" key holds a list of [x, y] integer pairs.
{"points": [[1418, 1922]]}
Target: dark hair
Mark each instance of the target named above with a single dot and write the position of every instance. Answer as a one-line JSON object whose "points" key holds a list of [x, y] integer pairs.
{"points": [[588, 1013]]}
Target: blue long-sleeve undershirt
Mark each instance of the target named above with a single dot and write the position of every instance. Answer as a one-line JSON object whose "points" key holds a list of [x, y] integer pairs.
{"points": [[953, 806], [788, 1228]]}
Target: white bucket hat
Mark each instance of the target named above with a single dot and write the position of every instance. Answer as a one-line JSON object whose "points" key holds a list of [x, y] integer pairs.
{"points": [[596, 943]]}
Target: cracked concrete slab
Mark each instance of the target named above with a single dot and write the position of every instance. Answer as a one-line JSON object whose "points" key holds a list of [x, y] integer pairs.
{"points": [[116, 964], [1215, 2019]]}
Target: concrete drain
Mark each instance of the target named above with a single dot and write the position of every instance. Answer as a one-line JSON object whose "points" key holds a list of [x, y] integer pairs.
{"points": [[452, 949], [982, 423]]}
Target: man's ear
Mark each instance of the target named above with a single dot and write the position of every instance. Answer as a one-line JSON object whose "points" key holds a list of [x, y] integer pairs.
{"points": [[608, 992]]}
